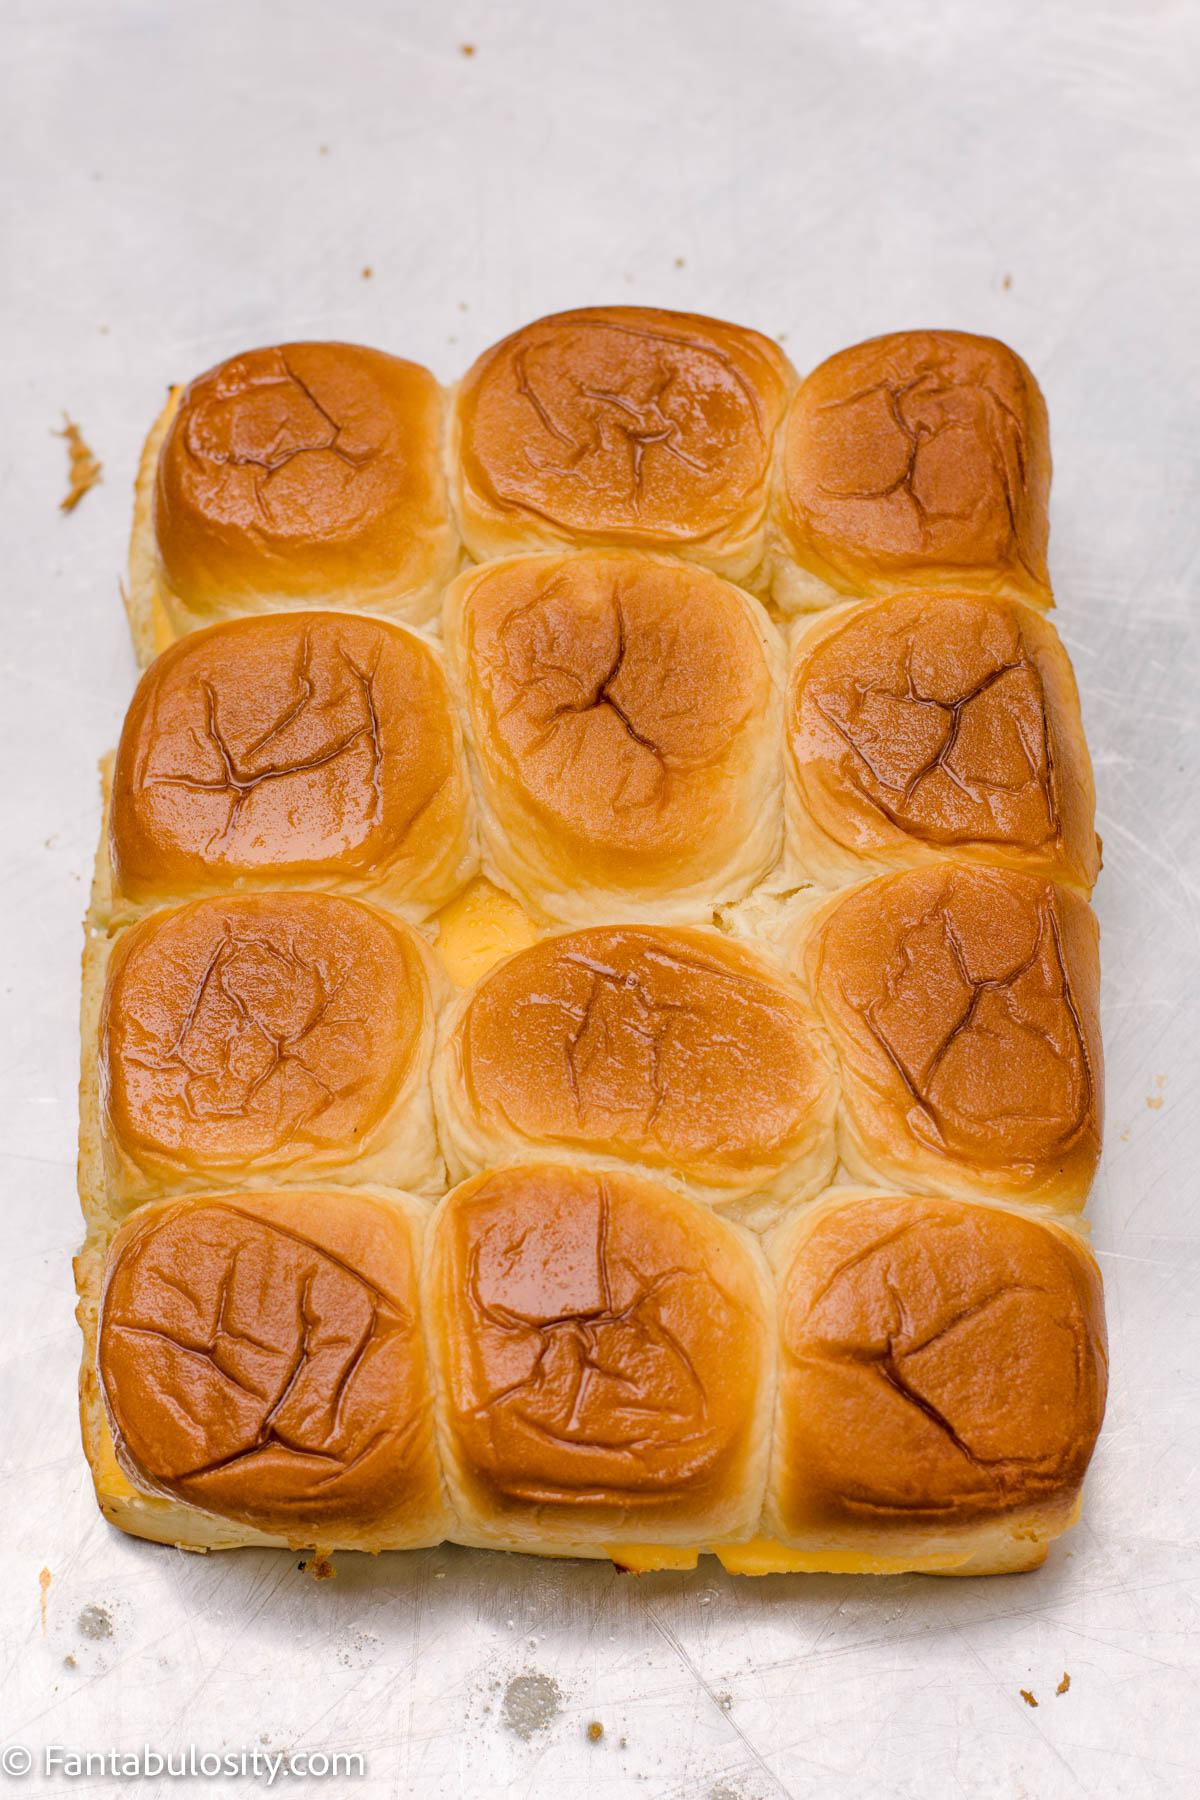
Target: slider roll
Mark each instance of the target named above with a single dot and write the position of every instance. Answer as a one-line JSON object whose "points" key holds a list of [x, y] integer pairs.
{"points": [[963, 1007], [315, 750], [239, 1040], [917, 459], [621, 426], [624, 717], [257, 1373], [604, 1363], [672, 1051], [296, 476], [942, 1373], [927, 725]]}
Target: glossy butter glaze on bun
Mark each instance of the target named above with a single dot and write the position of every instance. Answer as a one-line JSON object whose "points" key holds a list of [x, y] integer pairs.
{"points": [[305, 474], [313, 749], [926, 725], [621, 425], [963, 1007], [916, 458], [604, 1355], [674, 1051], [942, 1374], [624, 715], [245, 1039], [261, 1362]]}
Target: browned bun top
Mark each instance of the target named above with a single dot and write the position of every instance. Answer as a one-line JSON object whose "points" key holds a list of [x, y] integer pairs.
{"points": [[920, 451], [303, 472], [963, 1004], [299, 745], [940, 1362], [946, 720], [622, 704], [259, 1031], [622, 424], [603, 1341], [261, 1359], [672, 1048]]}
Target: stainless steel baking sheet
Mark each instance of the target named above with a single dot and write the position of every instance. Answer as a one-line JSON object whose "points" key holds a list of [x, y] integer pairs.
{"points": [[182, 181]]}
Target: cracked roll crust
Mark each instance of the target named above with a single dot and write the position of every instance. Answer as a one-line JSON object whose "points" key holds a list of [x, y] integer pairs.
{"points": [[621, 425], [605, 1362], [624, 714], [245, 1038], [963, 1007], [261, 1360], [302, 475], [318, 749], [942, 1365], [914, 458], [673, 1050], [921, 725]]}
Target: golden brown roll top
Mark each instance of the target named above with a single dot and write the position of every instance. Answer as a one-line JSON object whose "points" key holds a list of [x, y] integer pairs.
{"points": [[247, 1038], [624, 716], [924, 725], [621, 425], [318, 749], [915, 458], [942, 1373], [261, 1359], [963, 1007], [674, 1051], [305, 475], [605, 1362]]}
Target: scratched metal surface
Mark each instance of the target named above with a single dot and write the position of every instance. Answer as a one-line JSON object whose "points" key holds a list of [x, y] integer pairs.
{"points": [[180, 182]]}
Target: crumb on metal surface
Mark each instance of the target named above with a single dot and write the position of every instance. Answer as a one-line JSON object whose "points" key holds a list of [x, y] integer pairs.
{"points": [[319, 1567], [85, 467], [1027, 1697], [466, 49], [1064, 1684], [368, 271], [44, 1580], [595, 1731]]}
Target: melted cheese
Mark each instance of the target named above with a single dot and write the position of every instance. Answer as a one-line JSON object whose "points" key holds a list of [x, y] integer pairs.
{"points": [[642, 1559], [479, 929], [161, 633], [766, 1556]]}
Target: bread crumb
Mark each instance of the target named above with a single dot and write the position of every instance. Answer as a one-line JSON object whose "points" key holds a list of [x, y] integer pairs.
{"points": [[1064, 1684], [466, 49], [1155, 1100], [44, 1580], [84, 470], [1027, 1697], [595, 1731], [679, 262], [367, 273], [1006, 283]]}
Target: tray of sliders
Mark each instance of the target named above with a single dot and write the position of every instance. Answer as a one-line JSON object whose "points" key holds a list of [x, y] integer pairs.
{"points": [[589, 1023]]}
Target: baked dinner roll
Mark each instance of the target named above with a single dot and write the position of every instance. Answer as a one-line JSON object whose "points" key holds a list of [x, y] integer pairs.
{"points": [[621, 425], [605, 1363], [300, 475], [244, 1039], [258, 1368], [924, 725], [624, 715], [963, 1007], [313, 749], [675, 1051], [942, 1372], [912, 459]]}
